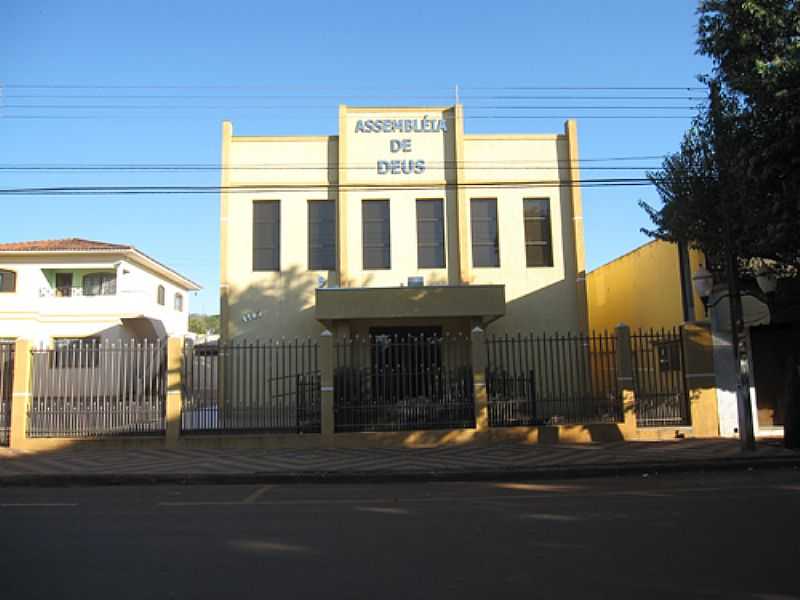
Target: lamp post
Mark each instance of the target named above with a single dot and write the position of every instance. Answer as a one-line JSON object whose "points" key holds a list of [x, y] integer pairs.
{"points": [[703, 283]]}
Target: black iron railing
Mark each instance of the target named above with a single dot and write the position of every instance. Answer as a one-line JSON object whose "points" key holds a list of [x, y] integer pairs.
{"points": [[98, 389], [403, 382], [268, 386], [6, 390], [552, 380], [659, 379]]}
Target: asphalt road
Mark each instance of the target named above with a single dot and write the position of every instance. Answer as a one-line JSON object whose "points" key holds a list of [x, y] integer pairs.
{"points": [[727, 535]]}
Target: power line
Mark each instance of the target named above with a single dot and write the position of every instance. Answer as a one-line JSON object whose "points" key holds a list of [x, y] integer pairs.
{"points": [[334, 97], [250, 189], [321, 107], [382, 88], [319, 117]]}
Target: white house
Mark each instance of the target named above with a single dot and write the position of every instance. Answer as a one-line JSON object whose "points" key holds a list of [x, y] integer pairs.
{"points": [[76, 289]]}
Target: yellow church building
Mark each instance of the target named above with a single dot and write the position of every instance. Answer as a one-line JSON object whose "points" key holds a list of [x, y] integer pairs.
{"points": [[402, 222]]}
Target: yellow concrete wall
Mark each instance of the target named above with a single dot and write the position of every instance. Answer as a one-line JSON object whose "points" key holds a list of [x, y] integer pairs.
{"points": [[539, 298], [641, 289]]}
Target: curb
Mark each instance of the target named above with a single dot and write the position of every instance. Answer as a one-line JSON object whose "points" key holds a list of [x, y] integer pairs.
{"points": [[322, 477]]}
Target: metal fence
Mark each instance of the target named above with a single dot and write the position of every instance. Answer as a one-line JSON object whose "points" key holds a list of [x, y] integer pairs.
{"points": [[6, 390], [658, 378], [87, 389], [552, 380], [252, 386], [403, 382]]}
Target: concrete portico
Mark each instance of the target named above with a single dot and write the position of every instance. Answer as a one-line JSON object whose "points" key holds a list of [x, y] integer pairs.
{"points": [[478, 305]]}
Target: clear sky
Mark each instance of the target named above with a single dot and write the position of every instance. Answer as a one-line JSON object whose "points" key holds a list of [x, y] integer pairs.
{"points": [[283, 68]]}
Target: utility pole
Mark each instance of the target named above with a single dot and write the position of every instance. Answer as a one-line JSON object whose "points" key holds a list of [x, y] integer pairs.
{"points": [[738, 341]]}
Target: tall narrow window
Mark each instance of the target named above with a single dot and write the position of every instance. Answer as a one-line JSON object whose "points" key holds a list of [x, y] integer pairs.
{"points": [[375, 234], [321, 235], [267, 235], [8, 281], [161, 295], [178, 302], [538, 238], [430, 234], [485, 241]]}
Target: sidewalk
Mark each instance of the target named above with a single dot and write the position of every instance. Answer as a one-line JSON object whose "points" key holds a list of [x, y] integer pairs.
{"points": [[506, 461]]}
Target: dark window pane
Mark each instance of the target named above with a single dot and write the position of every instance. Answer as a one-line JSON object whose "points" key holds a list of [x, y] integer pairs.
{"points": [[538, 255], [430, 234], [322, 235], [266, 235], [538, 232], [376, 234], [485, 256], [536, 207], [100, 284], [8, 281], [485, 240]]}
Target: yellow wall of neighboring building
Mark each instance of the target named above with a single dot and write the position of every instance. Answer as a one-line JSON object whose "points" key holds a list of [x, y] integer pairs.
{"points": [[641, 289]]}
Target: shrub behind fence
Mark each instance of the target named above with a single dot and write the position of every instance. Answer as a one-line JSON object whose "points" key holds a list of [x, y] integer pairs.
{"points": [[252, 386], [90, 389], [552, 380]]}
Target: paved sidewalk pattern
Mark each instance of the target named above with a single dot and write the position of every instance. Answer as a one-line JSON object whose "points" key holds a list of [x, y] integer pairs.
{"points": [[451, 462]]}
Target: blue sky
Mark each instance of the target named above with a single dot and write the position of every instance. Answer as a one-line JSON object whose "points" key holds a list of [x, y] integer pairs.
{"points": [[313, 55]]}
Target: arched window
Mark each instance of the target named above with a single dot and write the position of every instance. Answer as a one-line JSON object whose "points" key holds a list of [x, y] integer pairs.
{"points": [[100, 284], [8, 281], [178, 302], [162, 295]]}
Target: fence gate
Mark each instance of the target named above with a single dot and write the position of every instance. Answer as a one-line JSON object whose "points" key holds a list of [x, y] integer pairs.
{"points": [[403, 379], [6, 390], [659, 378]]}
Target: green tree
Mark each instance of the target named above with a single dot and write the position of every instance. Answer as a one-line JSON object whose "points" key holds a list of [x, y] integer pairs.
{"points": [[733, 188], [203, 324]]}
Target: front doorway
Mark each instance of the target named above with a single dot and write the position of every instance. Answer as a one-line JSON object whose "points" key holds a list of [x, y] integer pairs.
{"points": [[405, 363]]}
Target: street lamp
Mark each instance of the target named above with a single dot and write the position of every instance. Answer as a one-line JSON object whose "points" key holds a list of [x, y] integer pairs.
{"points": [[703, 282]]}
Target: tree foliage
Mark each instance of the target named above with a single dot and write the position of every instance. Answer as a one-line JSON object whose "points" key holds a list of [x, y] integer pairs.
{"points": [[737, 173], [204, 324]]}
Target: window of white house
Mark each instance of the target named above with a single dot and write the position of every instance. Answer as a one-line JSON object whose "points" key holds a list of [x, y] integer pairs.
{"points": [[100, 284], [161, 296], [178, 302], [8, 281]]}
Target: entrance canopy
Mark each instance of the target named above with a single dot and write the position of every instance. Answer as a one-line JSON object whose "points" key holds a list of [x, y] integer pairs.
{"points": [[480, 303]]}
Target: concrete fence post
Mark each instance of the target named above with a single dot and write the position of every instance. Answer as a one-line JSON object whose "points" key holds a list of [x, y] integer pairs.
{"points": [[174, 390], [21, 393], [478, 362], [624, 365], [326, 367], [701, 385]]}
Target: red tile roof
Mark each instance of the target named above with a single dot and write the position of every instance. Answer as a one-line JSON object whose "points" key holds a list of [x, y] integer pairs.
{"points": [[68, 244]]}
